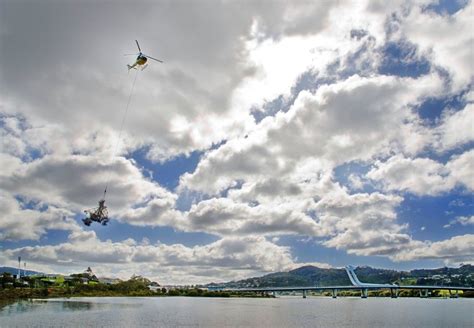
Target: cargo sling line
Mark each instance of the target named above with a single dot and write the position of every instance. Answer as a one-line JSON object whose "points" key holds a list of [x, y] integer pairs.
{"points": [[121, 129]]}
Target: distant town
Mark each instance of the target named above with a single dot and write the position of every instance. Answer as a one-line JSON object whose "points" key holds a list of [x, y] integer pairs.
{"points": [[22, 284]]}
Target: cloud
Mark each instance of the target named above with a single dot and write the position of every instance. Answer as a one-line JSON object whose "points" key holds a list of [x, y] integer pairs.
{"points": [[77, 181], [206, 59], [355, 181], [351, 120], [87, 72], [227, 257], [29, 139], [241, 62], [461, 168], [223, 216], [419, 176], [21, 223], [456, 128], [456, 250], [363, 224], [424, 176], [445, 39], [462, 220]]}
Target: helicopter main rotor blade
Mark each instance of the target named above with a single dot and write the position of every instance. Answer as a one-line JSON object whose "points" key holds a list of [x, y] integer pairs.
{"points": [[130, 54], [138, 46], [153, 58]]}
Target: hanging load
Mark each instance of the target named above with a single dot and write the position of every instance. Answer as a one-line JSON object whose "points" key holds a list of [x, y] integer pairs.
{"points": [[99, 214]]}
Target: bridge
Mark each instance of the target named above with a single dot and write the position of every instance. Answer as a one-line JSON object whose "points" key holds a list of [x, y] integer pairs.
{"points": [[356, 285]]}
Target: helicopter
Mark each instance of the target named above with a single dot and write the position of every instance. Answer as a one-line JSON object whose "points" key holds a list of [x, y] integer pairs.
{"points": [[141, 59], [99, 214]]}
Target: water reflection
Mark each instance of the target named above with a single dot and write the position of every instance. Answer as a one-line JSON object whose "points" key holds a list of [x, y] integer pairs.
{"points": [[63, 305], [78, 306], [202, 312], [20, 306]]}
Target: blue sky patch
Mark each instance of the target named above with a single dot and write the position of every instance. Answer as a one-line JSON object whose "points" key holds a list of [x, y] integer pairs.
{"points": [[342, 174], [433, 213], [117, 231], [400, 59], [444, 7], [167, 173], [52, 237], [432, 109]]}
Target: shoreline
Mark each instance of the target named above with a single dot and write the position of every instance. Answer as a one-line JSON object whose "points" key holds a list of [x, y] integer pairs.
{"points": [[11, 296]]}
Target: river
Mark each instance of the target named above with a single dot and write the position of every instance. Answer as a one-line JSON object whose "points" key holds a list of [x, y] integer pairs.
{"points": [[239, 312]]}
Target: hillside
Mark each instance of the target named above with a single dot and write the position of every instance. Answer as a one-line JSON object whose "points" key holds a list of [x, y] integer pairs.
{"points": [[314, 276], [12, 270]]}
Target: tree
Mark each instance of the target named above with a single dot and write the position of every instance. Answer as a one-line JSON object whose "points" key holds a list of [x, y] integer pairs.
{"points": [[7, 280]]}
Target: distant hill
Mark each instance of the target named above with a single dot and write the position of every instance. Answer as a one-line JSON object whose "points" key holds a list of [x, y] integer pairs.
{"points": [[15, 271], [314, 276]]}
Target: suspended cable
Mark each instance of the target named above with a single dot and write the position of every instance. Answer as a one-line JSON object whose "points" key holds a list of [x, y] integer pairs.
{"points": [[121, 128]]}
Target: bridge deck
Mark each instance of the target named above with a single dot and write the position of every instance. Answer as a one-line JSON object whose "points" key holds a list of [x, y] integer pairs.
{"points": [[321, 288]]}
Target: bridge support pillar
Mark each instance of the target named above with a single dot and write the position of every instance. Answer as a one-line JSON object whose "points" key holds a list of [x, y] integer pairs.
{"points": [[423, 293], [393, 293], [334, 293], [364, 293], [304, 293], [455, 295]]}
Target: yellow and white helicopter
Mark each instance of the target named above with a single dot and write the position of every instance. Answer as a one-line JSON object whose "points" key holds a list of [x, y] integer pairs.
{"points": [[141, 59]]}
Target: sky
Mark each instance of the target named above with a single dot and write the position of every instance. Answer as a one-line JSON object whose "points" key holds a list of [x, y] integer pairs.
{"points": [[276, 134]]}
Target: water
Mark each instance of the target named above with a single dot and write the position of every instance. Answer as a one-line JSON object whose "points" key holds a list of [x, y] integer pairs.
{"points": [[239, 312]]}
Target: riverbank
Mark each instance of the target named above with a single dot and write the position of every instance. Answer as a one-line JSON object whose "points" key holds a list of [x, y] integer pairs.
{"points": [[11, 295]]}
